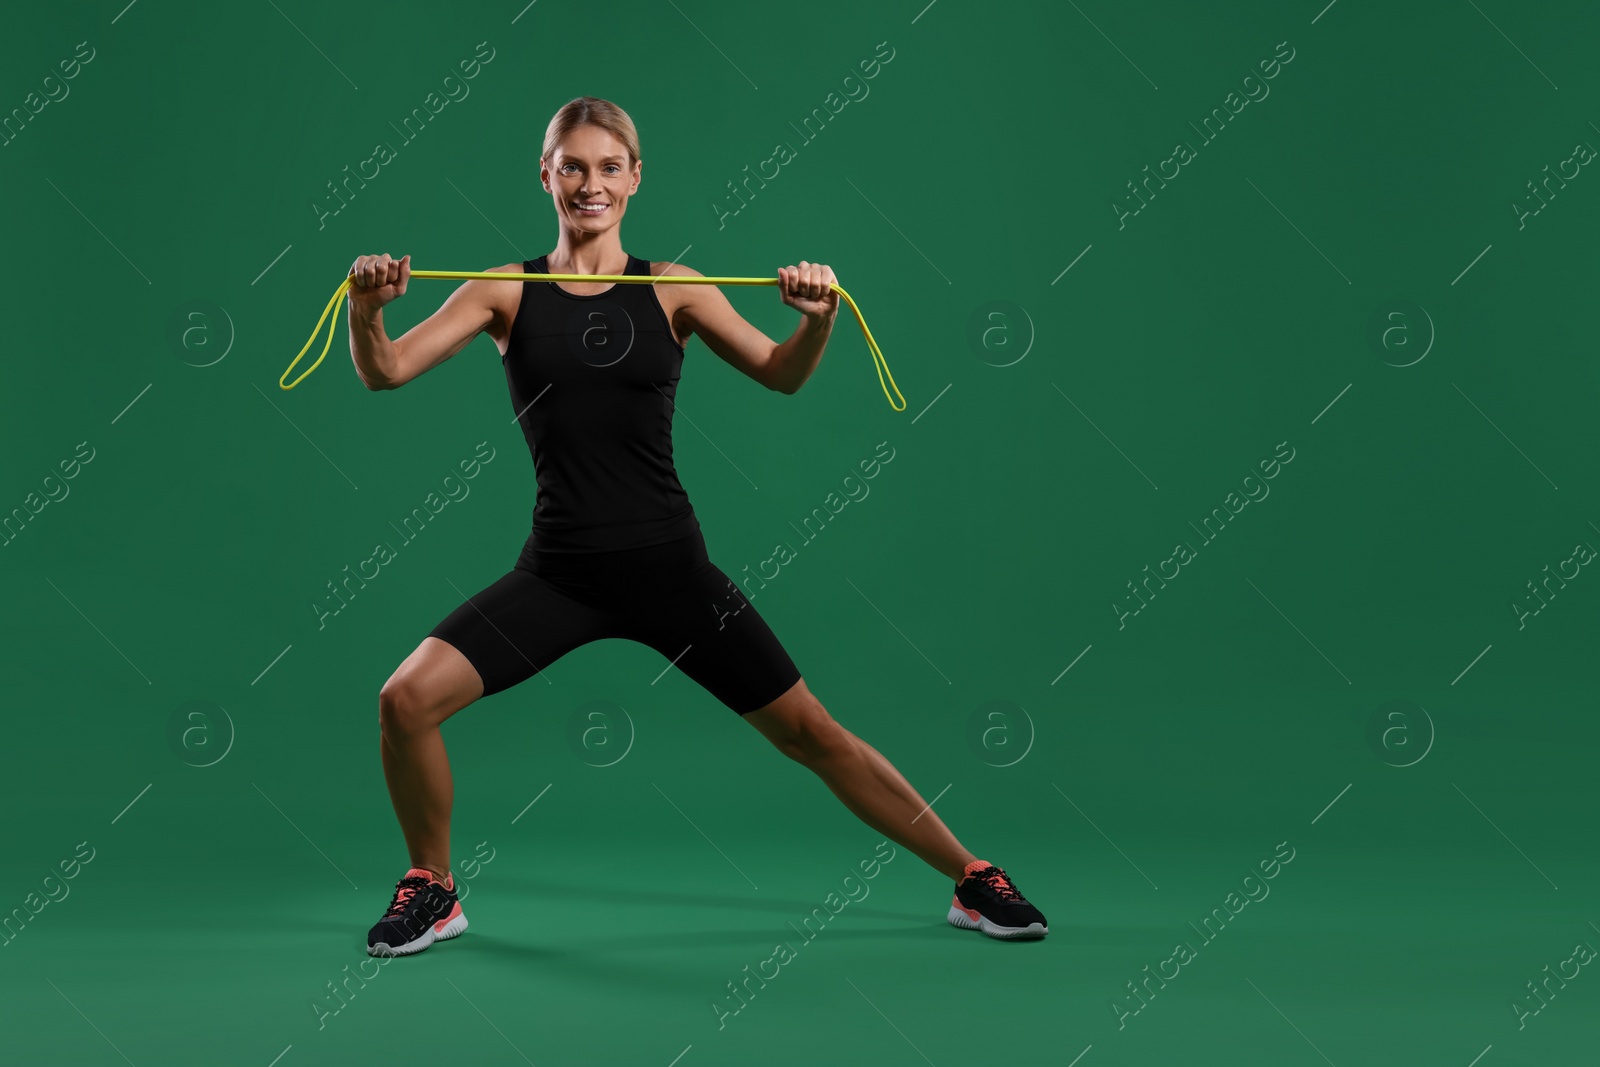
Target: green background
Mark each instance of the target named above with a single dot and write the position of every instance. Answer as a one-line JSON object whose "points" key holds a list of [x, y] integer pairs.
{"points": [[1243, 707]]}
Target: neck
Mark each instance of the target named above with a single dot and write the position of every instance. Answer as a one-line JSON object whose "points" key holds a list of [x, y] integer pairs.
{"points": [[584, 253]]}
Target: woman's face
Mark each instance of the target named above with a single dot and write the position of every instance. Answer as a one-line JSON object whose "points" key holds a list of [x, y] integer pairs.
{"points": [[590, 180]]}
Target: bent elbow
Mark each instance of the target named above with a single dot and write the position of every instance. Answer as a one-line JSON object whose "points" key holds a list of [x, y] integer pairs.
{"points": [[780, 383], [377, 381]]}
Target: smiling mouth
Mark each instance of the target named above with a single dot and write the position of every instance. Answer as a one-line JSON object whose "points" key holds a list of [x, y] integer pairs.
{"points": [[591, 209]]}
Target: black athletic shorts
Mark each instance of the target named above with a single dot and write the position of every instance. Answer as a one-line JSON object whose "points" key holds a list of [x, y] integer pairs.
{"points": [[669, 596]]}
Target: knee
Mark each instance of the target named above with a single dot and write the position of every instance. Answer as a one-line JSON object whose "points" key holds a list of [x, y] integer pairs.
{"points": [[817, 737], [403, 707]]}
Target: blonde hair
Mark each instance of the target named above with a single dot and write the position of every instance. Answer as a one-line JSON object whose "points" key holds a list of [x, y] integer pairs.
{"points": [[591, 111]]}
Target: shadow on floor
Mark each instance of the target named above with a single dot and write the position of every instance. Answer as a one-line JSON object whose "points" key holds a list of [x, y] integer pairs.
{"points": [[553, 892]]}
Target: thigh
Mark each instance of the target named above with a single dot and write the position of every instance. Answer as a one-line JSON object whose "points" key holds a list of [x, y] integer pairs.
{"points": [[705, 627], [517, 627]]}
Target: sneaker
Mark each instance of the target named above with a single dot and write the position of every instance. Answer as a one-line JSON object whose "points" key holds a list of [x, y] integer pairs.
{"points": [[986, 899], [424, 910]]}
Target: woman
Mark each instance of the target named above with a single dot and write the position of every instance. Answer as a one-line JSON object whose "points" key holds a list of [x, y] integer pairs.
{"points": [[615, 550]]}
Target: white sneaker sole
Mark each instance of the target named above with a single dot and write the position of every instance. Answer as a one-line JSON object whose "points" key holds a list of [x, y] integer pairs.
{"points": [[451, 929], [1032, 931]]}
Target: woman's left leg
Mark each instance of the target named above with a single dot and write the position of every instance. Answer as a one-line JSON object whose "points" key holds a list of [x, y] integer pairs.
{"points": [[687, 609], [868, 784]]}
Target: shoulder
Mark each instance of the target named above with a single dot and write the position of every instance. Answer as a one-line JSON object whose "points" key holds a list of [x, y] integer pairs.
{"points": [[490, 292], [502, 298], [490, 284], [680, 302], [505, 268], [497, 291], [670, 269]]}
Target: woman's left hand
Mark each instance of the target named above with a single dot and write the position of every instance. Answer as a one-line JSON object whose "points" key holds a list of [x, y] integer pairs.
{"points": [[808, 289]]}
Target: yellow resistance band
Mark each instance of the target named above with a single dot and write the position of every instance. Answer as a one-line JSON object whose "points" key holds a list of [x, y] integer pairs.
{"points": [[885, 379]]}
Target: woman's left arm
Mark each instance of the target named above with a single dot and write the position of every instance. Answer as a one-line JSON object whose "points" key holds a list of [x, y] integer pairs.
{"points": [[782, 366]]}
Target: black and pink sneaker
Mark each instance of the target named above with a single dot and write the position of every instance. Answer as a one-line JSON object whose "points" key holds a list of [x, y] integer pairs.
{"points": [[987, 900], [424, 910]]}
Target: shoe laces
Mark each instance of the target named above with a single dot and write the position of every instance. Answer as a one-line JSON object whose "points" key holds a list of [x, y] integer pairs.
{"points": [[998, 882], [404, 890]]}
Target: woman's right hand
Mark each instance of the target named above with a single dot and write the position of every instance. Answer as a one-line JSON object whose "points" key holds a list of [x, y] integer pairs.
{"points": [[376, 280]]}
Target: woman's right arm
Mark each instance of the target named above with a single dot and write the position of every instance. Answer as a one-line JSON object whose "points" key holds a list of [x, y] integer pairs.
{"points": [[382, 363]]}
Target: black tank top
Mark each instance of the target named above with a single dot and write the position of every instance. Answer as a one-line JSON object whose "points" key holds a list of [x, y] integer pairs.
{"points": [[592, 383]]}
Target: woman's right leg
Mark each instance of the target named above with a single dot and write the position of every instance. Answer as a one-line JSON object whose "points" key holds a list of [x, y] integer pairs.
{"points": [[432, 684], [498, 638]]}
